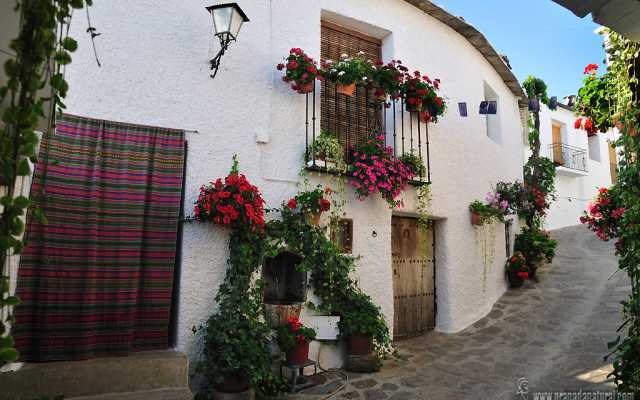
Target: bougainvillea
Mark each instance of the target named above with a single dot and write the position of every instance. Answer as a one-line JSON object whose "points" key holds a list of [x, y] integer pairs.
{"points": [[375, 168], [301, 70], [604, 215], [234, 202]]}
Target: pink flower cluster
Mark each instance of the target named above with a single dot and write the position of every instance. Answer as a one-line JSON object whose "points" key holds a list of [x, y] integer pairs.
{"points": [[374, 168], [493, 199], [604, 215]]}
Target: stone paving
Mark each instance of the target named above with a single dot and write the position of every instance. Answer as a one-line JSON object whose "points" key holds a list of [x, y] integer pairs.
{"points": [[552, 332]]}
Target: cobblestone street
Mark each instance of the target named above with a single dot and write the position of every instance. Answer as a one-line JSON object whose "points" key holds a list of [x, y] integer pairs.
{"points": [[553, 333]]}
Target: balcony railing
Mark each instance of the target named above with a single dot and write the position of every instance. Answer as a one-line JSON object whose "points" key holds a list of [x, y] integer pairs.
{"points": [[355, 119], [567, 156]]}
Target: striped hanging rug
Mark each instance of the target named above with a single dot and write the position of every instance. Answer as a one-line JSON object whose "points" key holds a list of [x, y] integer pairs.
{"points": [[96, 279]]}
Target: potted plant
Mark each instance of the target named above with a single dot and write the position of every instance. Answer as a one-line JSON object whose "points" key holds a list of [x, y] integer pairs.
{"points": [[311, 203], [233, 202], [414, 161], [301, 71], [328, 149], [363, 326], [347, 73], [385, 80], [294, 339], [537, 246], [482, 213], [594, 102], [420, 93], [375, 168], [517, 269]]}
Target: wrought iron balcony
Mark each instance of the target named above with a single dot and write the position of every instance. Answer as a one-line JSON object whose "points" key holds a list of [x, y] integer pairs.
{"points": [[567, 156], [353, 120]]}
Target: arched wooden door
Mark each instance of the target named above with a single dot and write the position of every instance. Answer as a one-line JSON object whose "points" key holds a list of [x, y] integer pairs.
{"points": [[413, 266]]}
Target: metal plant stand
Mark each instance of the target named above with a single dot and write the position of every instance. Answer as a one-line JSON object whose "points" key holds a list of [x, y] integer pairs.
{"points": [[299, 380]]}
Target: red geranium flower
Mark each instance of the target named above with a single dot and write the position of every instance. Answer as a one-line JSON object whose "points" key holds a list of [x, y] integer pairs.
{"points": [[292, 203]]}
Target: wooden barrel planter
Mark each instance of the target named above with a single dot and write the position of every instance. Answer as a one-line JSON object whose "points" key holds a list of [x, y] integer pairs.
{"points": [[359, 344]]}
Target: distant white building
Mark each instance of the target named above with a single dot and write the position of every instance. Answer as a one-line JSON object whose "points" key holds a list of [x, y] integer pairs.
{"points": [[584, 163]]}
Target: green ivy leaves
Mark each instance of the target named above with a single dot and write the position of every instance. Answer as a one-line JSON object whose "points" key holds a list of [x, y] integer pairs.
{"points": [[36, 46]]}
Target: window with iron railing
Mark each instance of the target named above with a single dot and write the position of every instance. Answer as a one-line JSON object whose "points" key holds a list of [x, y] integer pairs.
{"points": [[567, 156], [354, 119]]}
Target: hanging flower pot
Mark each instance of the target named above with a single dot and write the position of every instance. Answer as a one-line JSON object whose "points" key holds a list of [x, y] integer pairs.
{"points": [[312, 218], [299, 354], [425, 116], [347, 90], [277, 315], [476, 219], [304, 88], [378, 93], [359, 344], [413, 107]]}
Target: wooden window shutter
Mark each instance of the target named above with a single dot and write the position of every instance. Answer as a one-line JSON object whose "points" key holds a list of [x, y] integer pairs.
{"points": [[353, 119], [613, 163]]}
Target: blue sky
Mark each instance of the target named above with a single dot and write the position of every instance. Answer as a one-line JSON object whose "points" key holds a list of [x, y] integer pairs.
{"points": [[540, 38]]}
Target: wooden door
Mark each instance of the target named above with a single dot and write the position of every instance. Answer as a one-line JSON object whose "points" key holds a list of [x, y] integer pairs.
{"points": [[613, 163], [413, 277], [557, 145]]}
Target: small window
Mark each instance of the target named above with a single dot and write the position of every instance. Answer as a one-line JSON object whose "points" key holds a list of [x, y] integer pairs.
{"points": [[493, 119], [594, 147], [342, 235]]}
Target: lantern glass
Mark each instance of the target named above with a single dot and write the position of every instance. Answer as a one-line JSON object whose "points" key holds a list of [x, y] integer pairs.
{"points": [[227, 19], [236, 23]]}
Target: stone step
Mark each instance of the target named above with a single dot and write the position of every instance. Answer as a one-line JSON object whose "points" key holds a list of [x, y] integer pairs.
{"points": [[163, 394], [139, 372]]}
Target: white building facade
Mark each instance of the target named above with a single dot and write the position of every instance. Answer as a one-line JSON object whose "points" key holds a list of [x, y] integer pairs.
{"points": [[155, 71], [583, 164]]}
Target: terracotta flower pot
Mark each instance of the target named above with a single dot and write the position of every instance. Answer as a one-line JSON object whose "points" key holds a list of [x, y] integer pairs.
{"points": [[277, 315], [476, 219], [312, 218], [299, 354], [233, 383], [413, 108], [347, 90], [359, 344], [306, 87], [514, 280]]}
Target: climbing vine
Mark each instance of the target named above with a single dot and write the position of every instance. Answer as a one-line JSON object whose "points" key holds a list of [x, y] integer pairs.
{"points": [[41, 49], [624, 80]]}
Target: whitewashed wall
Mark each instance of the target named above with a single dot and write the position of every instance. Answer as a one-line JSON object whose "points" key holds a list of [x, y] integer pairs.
{"points": [[155, 71], [574, 190]]}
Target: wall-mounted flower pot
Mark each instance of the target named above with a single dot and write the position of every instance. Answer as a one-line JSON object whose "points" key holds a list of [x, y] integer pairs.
{"points": [[359, 344], [306, 87], [312, 218], [232, 383], [277, 315], [298, 355], [414, 108], [534, 105], [476, 219], [347, 90], [514, 280]]}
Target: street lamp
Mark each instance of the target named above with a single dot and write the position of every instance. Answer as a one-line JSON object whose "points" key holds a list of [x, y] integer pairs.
{"points": [[227, 20]]}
